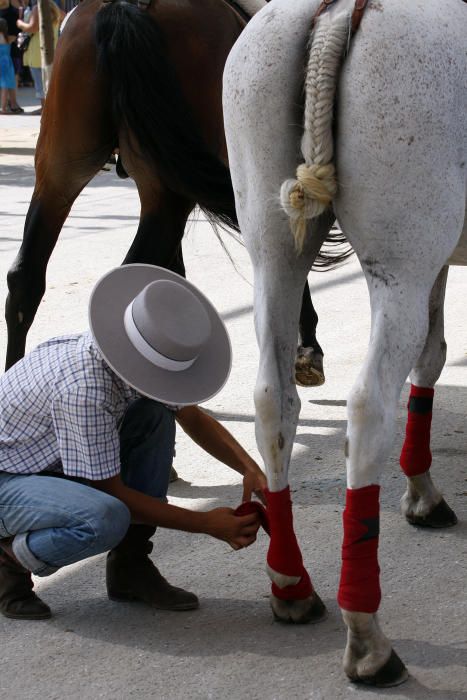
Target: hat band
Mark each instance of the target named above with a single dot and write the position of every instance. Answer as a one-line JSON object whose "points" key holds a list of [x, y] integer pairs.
{"points": [[146, 350]]}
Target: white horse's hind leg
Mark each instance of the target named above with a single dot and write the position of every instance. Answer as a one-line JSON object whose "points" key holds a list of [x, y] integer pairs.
{"points": [[422, 503], [279, 278], [278, 292], [399, 329], [262, 94], [401, 202]]}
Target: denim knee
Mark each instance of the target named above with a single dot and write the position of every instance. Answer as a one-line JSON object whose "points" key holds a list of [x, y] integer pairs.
{"points": [[142, 418], [114, 521], [45, 550]]}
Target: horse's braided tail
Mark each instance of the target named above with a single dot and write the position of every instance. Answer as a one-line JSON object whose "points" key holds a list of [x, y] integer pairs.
{"points": [[315, 186]]}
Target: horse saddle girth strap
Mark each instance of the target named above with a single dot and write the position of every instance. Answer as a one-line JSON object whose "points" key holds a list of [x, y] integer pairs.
{"points": [[357, 13]]}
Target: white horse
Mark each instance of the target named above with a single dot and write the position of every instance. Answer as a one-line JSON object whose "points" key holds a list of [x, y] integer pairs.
{"points": [[391, 166]]}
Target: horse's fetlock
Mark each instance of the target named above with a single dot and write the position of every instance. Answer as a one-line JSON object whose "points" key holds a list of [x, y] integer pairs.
{"points": [[368, 649], [359, 623], [421, 496]]}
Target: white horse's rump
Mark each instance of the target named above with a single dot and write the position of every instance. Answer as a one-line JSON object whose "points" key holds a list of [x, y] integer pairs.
{"points": [[400, 156]]}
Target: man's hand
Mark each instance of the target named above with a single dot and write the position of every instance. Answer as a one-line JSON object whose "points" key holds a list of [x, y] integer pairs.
{"points": [[254, 482], [238, 531]]}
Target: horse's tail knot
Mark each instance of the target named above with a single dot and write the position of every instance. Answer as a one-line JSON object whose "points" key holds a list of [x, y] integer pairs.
{"points": [[308, 196]]}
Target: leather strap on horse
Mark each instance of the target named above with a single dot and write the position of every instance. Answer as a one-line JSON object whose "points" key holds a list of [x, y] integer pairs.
{"points": [[357, 13]]}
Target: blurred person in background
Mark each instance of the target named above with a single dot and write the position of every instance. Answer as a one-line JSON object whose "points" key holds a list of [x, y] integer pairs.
{"points": [[7, 72], [32, 55], [9, 12]]}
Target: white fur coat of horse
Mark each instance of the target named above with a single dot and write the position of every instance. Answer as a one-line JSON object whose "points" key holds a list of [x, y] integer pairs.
{"points": [[384, 139]]}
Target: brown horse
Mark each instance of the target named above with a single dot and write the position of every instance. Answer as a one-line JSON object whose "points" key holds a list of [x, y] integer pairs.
{"points": [[148, 81]]}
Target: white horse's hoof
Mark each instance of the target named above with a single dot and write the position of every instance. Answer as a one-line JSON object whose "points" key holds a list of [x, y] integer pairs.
{"points": [[423, 505], [369, 657], [311, 609], [309, 367], [392, 673], [439, 516]]}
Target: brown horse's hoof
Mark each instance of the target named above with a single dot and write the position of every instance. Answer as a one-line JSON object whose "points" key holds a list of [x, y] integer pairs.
{"points": [[441, 516], [299, 612], [392, 673], [309, 367]]}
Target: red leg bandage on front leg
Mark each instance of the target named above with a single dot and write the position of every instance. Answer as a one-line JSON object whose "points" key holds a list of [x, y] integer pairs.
{"points": [[284, 554], [359, 589], [416, 455]]}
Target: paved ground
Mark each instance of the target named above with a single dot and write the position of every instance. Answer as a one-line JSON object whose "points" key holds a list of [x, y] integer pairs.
{"points": [[231, 648]]}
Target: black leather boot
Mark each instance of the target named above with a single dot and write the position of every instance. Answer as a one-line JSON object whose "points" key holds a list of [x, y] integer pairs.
{"points": [[131, 575], [17, 598]]}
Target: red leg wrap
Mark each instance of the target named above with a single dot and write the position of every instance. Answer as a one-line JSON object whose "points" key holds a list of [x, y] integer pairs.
{"points": [[359, 589], [284, 554], [248, 507], [416, 455]]}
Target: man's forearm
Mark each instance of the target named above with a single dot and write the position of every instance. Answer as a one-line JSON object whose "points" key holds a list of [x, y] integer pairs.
{"points": [[214, 439], [221, 523], [149, 510]]}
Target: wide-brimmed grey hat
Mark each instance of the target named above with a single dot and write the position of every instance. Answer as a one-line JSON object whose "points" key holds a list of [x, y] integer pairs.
{"points": [[160, 334]]}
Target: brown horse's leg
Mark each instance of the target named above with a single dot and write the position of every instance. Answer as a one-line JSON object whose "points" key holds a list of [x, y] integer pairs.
{"points": [[56, 190], [61, 174], [75, 140], [160, 231], [26, 278], [309, 360], [163, 214]]}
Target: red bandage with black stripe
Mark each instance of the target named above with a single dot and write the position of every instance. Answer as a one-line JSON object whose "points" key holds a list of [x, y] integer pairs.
{"points": [[359, 589], [416, 454]]}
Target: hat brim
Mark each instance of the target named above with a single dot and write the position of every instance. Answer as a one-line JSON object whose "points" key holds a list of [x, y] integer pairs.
{"points": [[109, 300]]}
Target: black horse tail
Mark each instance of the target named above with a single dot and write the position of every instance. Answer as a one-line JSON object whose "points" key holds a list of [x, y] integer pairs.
{"points": [[335, 251], [147, 101]]}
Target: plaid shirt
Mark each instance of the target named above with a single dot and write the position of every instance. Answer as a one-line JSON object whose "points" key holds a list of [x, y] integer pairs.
{"points": [[60, 409]]}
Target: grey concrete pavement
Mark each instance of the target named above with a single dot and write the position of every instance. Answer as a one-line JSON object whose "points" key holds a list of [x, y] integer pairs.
{"points": [[230, 648]]}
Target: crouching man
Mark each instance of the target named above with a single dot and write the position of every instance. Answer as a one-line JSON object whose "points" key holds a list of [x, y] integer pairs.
{"points": [[87, 434]]}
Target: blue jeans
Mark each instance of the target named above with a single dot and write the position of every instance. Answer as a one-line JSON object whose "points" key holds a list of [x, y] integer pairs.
{"points": [[37, 78], [57, 520]]}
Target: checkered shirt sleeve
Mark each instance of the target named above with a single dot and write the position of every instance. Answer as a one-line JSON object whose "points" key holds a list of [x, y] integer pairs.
{"points": [[87, 433]]}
